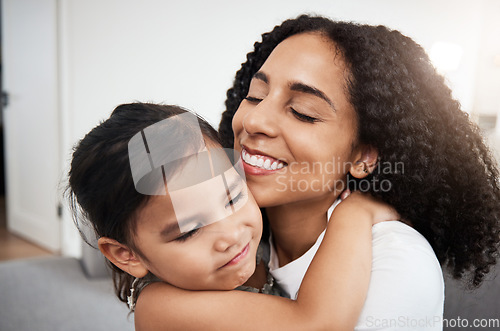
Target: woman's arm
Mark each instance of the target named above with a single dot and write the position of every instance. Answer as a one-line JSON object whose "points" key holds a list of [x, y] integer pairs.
{"points": [[331, 296]]}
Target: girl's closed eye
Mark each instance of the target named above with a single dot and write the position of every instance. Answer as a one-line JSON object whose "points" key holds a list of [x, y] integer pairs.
{"points": [[189, 234], [236, 199]]}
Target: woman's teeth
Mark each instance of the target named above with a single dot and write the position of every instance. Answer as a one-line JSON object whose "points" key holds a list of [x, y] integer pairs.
{"points": [[261, 161]]}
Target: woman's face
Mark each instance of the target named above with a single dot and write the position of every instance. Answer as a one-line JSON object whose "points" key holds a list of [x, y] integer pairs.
{"points": [[296, 129], [202, 237]]}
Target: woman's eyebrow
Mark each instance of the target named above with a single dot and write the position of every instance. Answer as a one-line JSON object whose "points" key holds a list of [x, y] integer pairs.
{"points": [[299, 87], [304, 88], [261, 76]]}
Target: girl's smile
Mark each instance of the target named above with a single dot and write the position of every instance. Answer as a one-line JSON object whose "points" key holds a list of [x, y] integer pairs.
{"points": [[239, 257]]}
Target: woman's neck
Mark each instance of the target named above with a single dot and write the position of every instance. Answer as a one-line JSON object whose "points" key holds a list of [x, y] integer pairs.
{"points": [[296, 227]]}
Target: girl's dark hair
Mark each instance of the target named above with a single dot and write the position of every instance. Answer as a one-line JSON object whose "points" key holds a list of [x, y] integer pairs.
{"points": [[447, 182], [101, 190]]}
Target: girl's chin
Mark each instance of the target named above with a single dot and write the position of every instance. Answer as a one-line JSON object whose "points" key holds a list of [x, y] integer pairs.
{"points": [[244, 275]]}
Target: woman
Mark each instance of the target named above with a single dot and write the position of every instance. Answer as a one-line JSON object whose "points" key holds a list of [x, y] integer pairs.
{"points": [[432, 164], [320, 105]]}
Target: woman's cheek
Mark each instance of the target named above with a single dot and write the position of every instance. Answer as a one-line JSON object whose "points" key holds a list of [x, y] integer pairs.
{"points": [[237, 123]]}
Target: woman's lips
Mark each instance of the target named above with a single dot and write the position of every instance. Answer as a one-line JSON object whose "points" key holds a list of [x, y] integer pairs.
{"points": [[240, 256], [255, 163]]}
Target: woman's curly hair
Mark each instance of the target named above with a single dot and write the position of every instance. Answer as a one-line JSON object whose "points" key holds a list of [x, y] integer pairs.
{"points": [[448, 186]]}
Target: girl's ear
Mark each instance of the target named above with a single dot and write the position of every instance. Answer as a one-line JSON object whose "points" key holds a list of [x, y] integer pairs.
{"points": [[122, 257], [366, 159]]}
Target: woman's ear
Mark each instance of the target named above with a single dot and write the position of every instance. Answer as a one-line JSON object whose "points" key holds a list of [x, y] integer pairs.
{"points": [[366, 159], [122, 257]]}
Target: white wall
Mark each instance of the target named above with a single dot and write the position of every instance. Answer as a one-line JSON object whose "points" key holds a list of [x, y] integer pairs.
{"points": [[186, 53], [487, 88]]}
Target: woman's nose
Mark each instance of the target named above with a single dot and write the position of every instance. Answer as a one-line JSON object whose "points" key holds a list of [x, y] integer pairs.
{"points": [[261, 119], [229, 232]]}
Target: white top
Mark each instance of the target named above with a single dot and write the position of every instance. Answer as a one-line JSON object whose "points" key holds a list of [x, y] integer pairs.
{"points": [[406, 289]]}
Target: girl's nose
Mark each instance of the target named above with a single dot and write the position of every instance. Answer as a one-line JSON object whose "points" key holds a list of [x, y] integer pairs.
{"points": [[261, 119], [229, 232]]}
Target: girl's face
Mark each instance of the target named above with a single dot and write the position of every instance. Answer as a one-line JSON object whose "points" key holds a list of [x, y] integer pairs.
{"points": [[296, 128], [201, 237]]}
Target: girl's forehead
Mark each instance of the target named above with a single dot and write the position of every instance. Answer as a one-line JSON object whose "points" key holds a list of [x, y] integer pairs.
{"points": [[207, 202], [166, 142], [198, 168]]}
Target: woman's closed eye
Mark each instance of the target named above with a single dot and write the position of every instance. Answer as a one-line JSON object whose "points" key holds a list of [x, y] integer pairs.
{"points": [[298, 115], [303, 117], [252, 99]]}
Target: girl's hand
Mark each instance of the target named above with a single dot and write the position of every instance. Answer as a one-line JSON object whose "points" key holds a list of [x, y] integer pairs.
{"points": [[378, 210], [345, 194]]}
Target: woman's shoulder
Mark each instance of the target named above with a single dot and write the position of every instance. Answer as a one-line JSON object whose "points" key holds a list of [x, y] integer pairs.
{"points": [[406, 282], [403, 250], [386, 236]]}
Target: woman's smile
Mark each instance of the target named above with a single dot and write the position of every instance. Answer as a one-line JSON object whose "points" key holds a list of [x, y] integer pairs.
{"points": [[258, 163]]}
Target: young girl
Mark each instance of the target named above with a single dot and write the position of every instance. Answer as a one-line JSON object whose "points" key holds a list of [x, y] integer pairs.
{"points": [[172, 213], [120, 175]]}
